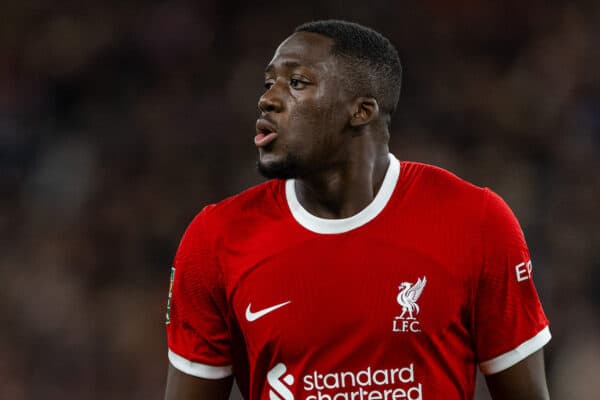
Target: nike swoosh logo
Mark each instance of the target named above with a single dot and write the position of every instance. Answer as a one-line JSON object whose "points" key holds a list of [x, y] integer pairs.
{"points": [[253, 316]]}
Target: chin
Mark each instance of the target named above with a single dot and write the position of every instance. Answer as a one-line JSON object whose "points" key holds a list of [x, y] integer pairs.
{"points": [[286, 168]]}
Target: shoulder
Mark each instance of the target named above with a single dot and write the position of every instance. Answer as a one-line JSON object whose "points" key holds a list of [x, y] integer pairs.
{"points": [[252, 203], [434, 174], [434, 189], [440, 184], [464, 203]]}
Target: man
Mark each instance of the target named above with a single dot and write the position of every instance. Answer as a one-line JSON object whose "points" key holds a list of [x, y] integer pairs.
{"points": [[352, 275]]}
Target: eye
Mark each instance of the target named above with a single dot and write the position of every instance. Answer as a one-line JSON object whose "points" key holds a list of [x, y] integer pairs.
{"points": [[297, 83], [268, 84]]}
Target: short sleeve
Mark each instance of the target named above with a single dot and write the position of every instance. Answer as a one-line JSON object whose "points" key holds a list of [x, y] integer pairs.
{"points": [[510, 323], [197, 329]]}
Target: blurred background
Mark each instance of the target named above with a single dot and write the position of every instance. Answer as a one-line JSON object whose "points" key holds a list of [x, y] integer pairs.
{"points": [[120, 120]]}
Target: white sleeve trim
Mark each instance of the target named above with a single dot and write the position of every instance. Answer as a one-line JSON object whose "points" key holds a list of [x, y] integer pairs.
{"points": [[199, 370], [517, 354]]}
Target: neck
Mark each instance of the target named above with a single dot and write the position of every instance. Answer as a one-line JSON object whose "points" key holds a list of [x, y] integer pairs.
{"points": [[346, 188]]}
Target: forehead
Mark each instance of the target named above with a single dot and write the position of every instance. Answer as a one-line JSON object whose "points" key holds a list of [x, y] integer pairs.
{"points": [[304, 49]]}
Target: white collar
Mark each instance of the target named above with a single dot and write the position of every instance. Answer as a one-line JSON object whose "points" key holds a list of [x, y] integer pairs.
{"points": [[332, 226]]}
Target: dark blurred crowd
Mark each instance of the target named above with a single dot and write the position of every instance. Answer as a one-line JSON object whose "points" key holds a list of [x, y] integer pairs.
{"points": [[120, 120]]}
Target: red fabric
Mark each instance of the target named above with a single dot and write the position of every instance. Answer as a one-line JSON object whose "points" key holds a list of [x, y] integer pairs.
{"points": [[343, 316]]}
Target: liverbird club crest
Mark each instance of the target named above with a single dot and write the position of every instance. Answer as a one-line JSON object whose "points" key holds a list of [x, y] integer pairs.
{"points": [[407, 298]]}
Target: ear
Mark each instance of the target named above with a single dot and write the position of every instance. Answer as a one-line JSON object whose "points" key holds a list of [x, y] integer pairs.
{"points": [[364, 110]]}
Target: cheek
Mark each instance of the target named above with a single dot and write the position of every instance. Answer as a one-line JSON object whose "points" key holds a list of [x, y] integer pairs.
{"points": [[308, 128], [316, 117], [314, 124], [303, 121]]}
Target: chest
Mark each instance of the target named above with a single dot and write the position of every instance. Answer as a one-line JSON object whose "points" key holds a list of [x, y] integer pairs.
{"points": [[349, 293]]}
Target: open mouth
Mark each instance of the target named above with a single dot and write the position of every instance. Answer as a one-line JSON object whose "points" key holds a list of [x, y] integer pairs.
{"points": [[265, 133]]}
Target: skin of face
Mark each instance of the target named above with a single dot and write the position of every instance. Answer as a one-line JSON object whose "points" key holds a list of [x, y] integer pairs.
{"points": [[306, 104]]}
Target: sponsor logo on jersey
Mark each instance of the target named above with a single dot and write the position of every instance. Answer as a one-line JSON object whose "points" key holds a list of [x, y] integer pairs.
{"points": [[168, 316], [253, 316], [279, 383], [407, 298], [365, 384], [524, 271]]}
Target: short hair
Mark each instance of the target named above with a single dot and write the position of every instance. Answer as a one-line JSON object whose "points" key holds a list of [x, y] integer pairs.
{"points": [[374, 65]]}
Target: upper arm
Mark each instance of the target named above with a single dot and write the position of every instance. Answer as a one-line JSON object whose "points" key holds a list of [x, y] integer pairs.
{"points": [[524, 380], [198, 329], [181, 386], [509, 322]]}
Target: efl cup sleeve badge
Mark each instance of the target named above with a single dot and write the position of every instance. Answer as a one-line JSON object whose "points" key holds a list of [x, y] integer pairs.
{"points": [[407, 298], [168, 319]]}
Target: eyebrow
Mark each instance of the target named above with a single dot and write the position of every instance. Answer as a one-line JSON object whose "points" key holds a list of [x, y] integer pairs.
{"points": [[286, 64]]}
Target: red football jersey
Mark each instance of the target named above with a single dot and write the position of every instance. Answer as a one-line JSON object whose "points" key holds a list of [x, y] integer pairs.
{"points": [[400, 301]]}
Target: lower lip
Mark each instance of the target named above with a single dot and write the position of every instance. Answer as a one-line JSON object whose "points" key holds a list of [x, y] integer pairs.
{"points": [[261, 140]]}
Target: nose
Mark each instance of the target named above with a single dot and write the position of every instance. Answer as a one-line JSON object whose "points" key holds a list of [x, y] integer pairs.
{"points": [[270, 101]]}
